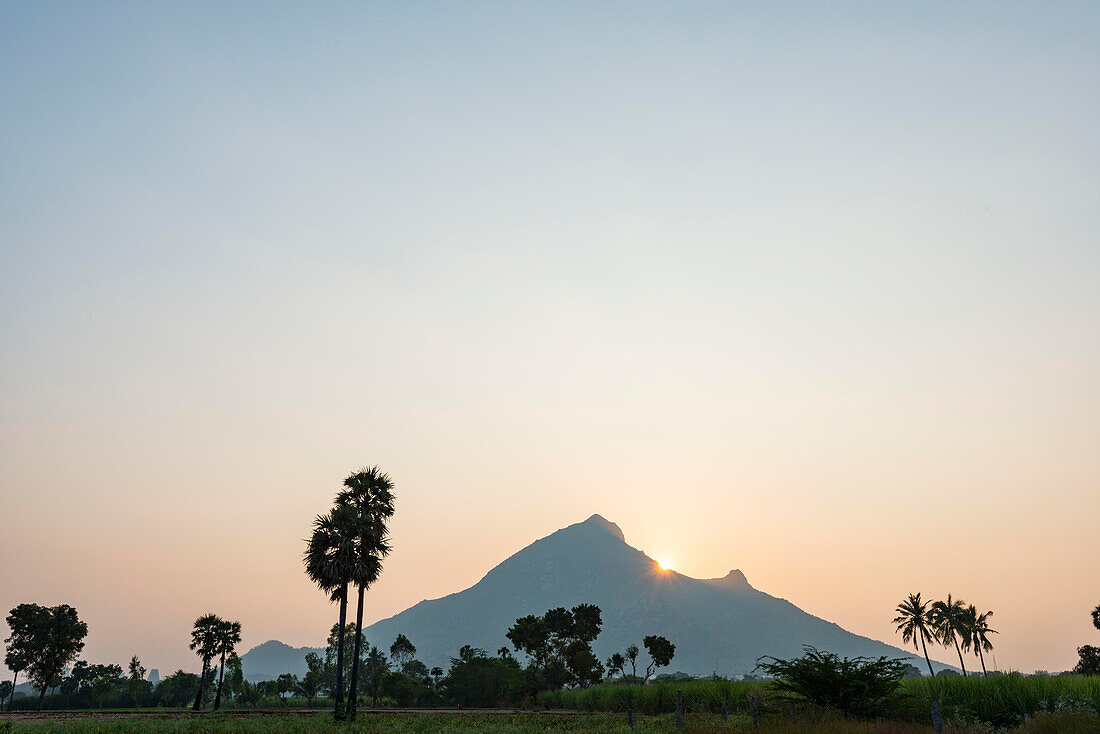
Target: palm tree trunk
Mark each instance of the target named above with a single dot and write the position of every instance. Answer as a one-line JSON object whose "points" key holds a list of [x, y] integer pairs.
{"points": [[221, 675], [339, 714], [985, 673], [11, 699], [925, 648], [353, 691], [960, 652], [202, 677]]}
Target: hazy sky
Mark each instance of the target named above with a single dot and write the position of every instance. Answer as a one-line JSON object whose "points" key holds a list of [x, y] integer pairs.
{"points": [[810, 293]]}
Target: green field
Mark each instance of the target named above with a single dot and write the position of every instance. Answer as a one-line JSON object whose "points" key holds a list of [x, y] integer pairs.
{"points": [[1003, 699], [497, 723]]}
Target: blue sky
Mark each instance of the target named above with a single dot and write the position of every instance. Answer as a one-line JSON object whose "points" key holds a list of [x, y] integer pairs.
{"points": [[546, 260]]}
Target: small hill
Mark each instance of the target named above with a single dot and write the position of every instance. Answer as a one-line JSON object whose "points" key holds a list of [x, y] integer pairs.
{"points": [[273, 658]]}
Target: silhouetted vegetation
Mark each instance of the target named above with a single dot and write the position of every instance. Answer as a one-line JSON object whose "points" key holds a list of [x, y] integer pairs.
{"points": [[558, 646], [854, 686], [949, 623], [347, 547], [42, 642], [1088, 662]]}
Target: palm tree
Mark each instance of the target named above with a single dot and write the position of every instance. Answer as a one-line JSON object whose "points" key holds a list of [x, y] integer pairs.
{"points": [[204, 641], [229, 636], [914, 622], [331, 556], [979, 634], [948, 619], [369, 492], [1096, 617]]}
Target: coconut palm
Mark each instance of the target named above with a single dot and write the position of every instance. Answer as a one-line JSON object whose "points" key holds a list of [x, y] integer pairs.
{"points": [[949, 622], [914, 622], [979, 634], [369, 492], [204, 641], [330, 559], [229, 636]]}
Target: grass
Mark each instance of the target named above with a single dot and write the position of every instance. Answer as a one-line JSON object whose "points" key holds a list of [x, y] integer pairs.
{"points": [[508, 723], [1003, 700]]}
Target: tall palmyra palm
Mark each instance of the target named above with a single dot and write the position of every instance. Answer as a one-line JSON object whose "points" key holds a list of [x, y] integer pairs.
{"points": [[948, 620], [915, 625], [204, 641], [229, 636], [331, 556], [369, 492], [979, 634]]}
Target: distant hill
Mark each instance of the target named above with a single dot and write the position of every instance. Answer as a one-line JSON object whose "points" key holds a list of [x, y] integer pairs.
{"points": [[273, 658], [718, 625]]}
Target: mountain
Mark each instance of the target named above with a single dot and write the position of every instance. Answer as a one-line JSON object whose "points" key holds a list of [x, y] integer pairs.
{"points": [[718, 625], [273, 658]]}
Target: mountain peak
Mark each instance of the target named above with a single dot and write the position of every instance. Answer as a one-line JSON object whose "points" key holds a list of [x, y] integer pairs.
{"points": [[603, 523], [734, 579]]}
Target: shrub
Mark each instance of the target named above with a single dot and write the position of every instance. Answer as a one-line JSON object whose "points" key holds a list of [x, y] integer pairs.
{"points": [[854, 686]]}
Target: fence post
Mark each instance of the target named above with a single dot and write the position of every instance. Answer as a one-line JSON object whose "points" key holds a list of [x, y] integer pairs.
{"points": [[630, 718], [937, 720], [725, 713], [679, 710], [755, 714]]}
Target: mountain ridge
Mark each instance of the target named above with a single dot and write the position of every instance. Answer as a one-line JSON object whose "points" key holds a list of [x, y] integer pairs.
{"points": [[718, 625]]}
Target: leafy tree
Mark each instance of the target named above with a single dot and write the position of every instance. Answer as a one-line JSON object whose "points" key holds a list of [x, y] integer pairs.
{"points": [[632, 656], [332, 656], [418, 671], [106, 680], [204, 641], [6, 689], [660, 653], [477, 680], [916, 625], [402, 652], [1096, 617], [43, 641], [311, 682], [21, 621], [558, 646], [369, 493], [616, 664], [228, 637], [1089, 660], [949, 621], [852, 685], [235, 681], [331, 558], [178, 688], [286, 683], [375, 668], [136, 684], [250, 694]]}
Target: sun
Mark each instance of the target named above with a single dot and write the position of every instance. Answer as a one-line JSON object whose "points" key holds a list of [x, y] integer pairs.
{"points": [[664, 564]]}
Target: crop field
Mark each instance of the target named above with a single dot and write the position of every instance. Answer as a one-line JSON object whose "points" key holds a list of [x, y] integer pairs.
{"points": [[1003, 700], [495, 722]]}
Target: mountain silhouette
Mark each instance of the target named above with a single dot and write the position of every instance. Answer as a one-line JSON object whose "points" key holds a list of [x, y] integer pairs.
{"points": [[718, 625]]}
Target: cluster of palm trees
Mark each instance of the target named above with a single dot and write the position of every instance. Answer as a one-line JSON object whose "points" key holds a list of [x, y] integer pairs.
{"points": [[346, 549], [949, 622], [212, 637]]}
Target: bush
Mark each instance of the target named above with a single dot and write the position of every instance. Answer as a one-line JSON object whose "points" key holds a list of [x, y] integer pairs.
{"points": [[854, 686]]}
